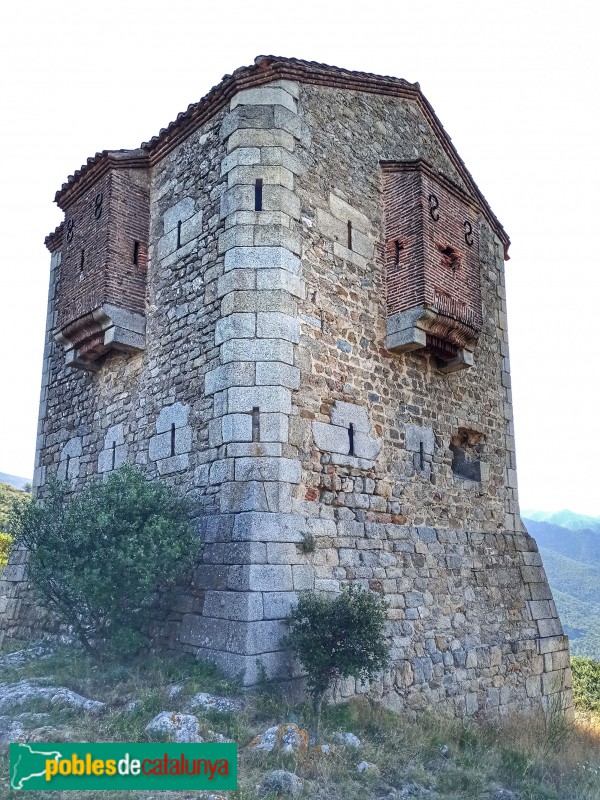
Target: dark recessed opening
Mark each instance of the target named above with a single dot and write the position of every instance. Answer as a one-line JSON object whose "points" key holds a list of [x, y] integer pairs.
{"points": [[451, 258], [398, 248], [136, 253], [258, 195], [256, 424], [179, 234], [114, 453], [351, 439], [349, 235], [172, 439], [441, 348], [467, 449]]}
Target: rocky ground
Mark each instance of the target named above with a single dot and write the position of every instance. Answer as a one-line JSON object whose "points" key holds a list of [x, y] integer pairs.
{"points": [[366, 753]]}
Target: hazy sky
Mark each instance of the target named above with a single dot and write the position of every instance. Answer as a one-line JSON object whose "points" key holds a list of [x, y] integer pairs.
{"points": [[516, 85]]}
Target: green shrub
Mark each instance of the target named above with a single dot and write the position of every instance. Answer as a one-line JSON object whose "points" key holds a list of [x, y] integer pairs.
{"points": [[338, 637], [5, 544], [106, 558], [586, 683], [8, 496]]}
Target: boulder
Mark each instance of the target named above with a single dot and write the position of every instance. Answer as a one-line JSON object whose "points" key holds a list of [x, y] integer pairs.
{"points": [[281, 782], [286, 738], [175, 727], [211, 702], [16, 694]]}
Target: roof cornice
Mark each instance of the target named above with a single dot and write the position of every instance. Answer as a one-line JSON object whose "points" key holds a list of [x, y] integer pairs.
{"points": [[267, 69]]}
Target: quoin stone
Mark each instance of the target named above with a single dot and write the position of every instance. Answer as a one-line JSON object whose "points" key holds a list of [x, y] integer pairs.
{"points": [[290, 304]]}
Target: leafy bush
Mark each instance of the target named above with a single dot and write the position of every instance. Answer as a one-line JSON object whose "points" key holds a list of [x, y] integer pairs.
{"points": [[5, 545], [8, 496], [105, 559], [338, 637], [586, 683]]}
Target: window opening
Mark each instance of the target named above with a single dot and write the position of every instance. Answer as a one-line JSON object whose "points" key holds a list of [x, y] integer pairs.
{"points": [[451, 258], [172, 439], [467, 448], [398, 247], [258, 195], [351, 439], [256, 424]]}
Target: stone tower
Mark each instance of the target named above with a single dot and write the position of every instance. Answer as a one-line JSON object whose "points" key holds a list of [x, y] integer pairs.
{"points": [[291, 303]]}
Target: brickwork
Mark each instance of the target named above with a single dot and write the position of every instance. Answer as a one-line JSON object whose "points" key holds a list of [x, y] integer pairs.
{"points": [[104, 262], [432, 247], [326, 445]]}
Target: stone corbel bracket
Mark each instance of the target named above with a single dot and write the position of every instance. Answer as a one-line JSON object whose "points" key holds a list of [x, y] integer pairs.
{"points": [[107, 327], [409, 330]]}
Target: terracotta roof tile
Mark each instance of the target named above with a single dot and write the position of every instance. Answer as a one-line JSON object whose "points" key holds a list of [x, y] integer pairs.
{"points": [[265, 70]]}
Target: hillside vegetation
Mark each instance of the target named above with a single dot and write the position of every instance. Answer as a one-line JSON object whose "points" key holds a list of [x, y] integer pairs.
{"points": [[8, 494], [572, 561]]}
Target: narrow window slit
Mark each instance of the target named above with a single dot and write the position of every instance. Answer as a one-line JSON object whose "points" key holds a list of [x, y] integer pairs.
{"points": [[349, 235], [421, 457], [179, 234], [256, 424], [136, 253], [258, 194], [172, 439], [397, 250], [351, 439], [67, 466], [114, 454]]}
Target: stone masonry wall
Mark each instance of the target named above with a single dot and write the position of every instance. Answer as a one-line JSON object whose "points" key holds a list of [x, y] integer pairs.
{"points": [[320, 458], [251, 569], [472, 621], [132, 397]]}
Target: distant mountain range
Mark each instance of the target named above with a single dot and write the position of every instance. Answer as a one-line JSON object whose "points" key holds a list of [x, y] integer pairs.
{"points": [[565, 519], [569, 544], [14, 480]]}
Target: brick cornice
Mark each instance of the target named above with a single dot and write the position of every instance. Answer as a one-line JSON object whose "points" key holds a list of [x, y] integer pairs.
{"points": [[267, 69], [54, 240], [475, 200], [95, 168]]}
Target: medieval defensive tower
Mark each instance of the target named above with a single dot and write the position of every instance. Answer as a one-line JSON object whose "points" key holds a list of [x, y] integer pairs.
{"points": [[291, 303]]}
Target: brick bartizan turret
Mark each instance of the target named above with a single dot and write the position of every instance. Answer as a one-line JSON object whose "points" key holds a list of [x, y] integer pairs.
{"points": [[290, 303]]}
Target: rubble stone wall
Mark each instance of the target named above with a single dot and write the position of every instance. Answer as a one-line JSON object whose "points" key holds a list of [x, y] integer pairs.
{"points": [[320, 457]]}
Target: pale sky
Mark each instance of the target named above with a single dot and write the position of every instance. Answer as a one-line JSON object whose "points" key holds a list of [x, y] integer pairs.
{"points": [[515, 84]]}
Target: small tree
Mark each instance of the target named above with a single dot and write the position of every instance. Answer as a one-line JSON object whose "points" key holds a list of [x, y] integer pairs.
{"points": [[105, 558], [338, 637]]}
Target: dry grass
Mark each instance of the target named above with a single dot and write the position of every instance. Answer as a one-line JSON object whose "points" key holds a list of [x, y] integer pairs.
{"points": [[537, 759]]}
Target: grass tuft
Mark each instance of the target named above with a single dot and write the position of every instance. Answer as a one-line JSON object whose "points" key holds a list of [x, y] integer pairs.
{"points": [[533, 757]]}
